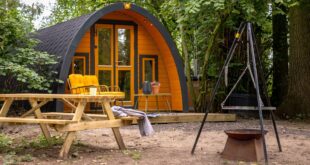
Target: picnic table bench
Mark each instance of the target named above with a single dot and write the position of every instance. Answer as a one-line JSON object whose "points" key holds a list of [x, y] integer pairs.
{"points": [[69, 123]]}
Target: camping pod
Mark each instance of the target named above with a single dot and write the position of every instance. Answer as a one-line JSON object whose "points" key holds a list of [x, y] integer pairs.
{"points": [[123, 45]]}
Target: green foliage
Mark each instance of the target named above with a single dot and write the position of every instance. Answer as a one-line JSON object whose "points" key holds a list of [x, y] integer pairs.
{"points": [[22, 68], [5, 142], [41, 142], [199, 34], [68, 9], [206, 14]]}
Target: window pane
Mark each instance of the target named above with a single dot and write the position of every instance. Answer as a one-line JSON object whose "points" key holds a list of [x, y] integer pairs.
{"points": [[104, 77], [104, 46], [148, 68], [78, 66], [123, 46], [124, 83]]}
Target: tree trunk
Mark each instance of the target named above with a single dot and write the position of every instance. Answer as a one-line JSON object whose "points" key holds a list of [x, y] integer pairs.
{"points": [[297, 102], [203, 91], [188, 68], [280, 57]]}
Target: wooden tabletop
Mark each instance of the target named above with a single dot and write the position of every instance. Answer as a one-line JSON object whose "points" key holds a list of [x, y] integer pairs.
{"points": [[26, 96], [151, 94]]}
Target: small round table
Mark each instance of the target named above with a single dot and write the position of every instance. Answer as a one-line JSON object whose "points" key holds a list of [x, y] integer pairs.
{"points": [[164, 95]]}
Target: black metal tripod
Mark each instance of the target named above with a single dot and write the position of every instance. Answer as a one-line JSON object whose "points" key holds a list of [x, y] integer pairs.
{"points": [[253, 54]]}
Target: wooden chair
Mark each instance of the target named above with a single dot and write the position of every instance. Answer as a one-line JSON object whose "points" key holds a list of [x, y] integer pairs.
{"points": [[79, 84]]}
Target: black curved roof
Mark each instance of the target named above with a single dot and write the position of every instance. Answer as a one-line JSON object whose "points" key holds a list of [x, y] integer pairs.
{"points": [[63, 38], [57, 38]]}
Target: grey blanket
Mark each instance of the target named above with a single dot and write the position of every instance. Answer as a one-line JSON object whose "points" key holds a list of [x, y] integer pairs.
{"points": [[145, 125]]}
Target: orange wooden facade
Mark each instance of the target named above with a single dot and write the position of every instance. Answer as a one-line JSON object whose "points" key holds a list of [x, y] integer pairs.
{"points": [[149, 42]]}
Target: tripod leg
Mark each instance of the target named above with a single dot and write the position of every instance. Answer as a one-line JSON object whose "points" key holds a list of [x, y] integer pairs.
{"points": [[276, 130], [228, 58], [199, 132], [250, 38], [265, 93]]}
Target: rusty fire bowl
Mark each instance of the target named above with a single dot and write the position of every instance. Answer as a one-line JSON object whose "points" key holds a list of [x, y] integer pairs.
{"points": [[244, 134], [244, 145]]}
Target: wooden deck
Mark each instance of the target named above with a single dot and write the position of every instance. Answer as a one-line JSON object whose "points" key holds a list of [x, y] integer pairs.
{"points": [[192, 117], [164, 117], [173, 117]]}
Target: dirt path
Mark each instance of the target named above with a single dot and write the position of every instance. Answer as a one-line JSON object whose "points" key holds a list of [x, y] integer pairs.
{"points": [[170, 145]]}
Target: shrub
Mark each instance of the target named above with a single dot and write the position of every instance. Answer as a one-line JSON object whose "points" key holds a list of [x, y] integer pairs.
{"points": [[22, 67]]}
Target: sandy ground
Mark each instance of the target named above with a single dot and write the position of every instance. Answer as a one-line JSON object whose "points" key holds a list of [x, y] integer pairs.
{"points": [[171, 144]]}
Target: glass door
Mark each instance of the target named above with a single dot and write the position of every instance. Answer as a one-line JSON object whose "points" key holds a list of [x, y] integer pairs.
{"points": [[104, 54], [115, 49], [124, 60]]}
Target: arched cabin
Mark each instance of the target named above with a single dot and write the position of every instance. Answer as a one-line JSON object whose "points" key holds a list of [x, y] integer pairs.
{"points": [[122, 44]]}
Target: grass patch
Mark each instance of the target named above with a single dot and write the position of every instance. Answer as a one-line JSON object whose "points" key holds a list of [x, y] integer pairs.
{"points": [[41, 142], [134, 154], [11, 158], [26, 158], [5, 143], [9, 148]]}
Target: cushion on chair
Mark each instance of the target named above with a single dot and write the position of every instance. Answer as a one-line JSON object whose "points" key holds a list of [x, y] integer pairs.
{"points": [[76, 81], [91, 80]]}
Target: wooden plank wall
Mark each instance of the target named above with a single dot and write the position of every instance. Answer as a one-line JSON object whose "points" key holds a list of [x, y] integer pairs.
{"points": [[147, 46], [167, 59]]}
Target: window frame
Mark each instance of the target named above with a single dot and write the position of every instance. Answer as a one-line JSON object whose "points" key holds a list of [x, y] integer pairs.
{"points": [[84, 57], [142, 59]]}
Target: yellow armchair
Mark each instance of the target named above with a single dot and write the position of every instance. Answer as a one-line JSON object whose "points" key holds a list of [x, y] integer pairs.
{"points": [[80, 84]]}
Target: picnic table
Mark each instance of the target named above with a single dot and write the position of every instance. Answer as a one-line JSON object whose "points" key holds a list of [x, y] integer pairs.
{"points": [[77, 121]]}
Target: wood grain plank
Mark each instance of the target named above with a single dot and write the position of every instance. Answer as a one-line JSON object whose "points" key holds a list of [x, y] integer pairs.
{"points": [[92, 125], [66, 146], [34, 121], [38, 114], [6, 106], [71, 135], [35, 108], [118, 137]]}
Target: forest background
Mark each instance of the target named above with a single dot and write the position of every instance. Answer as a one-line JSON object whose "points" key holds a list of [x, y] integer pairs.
{"points": [[203, 31]]}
